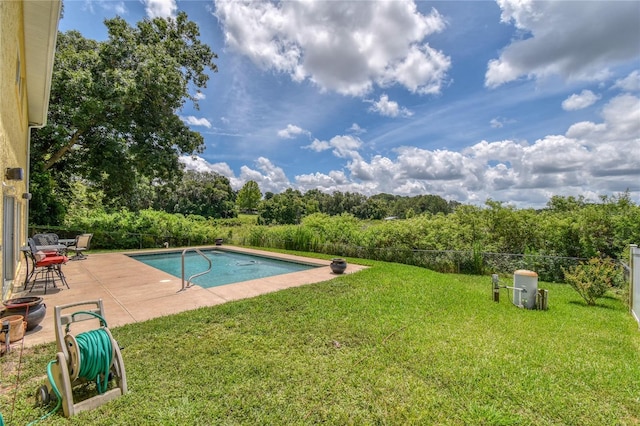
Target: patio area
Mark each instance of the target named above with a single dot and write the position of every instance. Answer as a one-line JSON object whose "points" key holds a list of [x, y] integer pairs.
{"points": [[132, 291]]}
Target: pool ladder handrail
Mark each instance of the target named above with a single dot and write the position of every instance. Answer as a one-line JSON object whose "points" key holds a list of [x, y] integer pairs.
{"points": [[194, 275]]}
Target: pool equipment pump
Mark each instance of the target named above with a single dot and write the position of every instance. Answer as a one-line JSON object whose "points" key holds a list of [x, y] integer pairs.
{"points": [[93, 355], [526, 293]]}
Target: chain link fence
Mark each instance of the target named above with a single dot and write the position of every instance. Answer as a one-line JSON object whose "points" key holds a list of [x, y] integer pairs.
{"points": [[548, 268]]}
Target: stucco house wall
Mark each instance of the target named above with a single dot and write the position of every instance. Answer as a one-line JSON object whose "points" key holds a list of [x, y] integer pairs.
{"points": [[28, 32]]}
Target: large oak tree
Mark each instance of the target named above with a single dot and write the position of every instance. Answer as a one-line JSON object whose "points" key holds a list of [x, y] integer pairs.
{"points": [[113, 115]]}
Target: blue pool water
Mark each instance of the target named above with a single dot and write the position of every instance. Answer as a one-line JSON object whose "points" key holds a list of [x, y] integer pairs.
{"points": [[226, 267]]}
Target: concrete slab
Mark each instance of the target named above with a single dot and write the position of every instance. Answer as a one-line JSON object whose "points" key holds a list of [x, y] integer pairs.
{"points": [[127, 287]]}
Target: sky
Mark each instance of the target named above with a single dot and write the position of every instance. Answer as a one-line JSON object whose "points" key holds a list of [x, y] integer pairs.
{"points": [[509, 100]]}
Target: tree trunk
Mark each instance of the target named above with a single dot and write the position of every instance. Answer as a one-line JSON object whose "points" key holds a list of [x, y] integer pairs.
{"points": [[62, 151]]}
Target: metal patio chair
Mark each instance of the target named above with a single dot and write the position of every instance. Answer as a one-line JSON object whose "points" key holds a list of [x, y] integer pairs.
{"points": [[46, 265], [81, 245]]}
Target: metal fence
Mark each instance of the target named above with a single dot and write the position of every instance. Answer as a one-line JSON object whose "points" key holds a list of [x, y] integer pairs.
{"points": [[548, 268], [121, 240]]}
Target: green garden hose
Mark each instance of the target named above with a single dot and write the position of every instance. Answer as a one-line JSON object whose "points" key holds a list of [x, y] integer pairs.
{"points": [[95, 353], [95, 357]]}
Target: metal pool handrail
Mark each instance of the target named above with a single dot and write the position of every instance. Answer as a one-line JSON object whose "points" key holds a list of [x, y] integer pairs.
{"points": [[195, 275]]}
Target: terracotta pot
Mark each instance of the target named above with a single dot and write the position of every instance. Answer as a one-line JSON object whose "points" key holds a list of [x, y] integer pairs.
{"points": [[338, 266], [17, 326], [31, 308]]}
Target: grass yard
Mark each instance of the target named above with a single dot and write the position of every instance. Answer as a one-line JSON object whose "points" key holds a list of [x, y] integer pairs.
{"points": [[393, 344]]}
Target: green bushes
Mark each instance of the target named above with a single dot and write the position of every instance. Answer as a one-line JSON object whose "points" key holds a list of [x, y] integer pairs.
{"points": [[472, 239], [592, 279], [147, 229]]}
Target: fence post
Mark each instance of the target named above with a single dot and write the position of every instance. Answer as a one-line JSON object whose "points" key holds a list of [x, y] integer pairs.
{"points": [[632, 273]]}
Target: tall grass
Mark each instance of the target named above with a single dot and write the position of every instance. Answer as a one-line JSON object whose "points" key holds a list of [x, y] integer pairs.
{"points": [[393, 344]]}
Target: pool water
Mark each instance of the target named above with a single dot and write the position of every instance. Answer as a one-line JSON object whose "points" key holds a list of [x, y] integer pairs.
{"points": [[226, 267]]}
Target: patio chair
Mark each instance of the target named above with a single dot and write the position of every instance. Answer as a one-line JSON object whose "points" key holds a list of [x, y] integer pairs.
{"points": [[47, 239], [81, 245], [51, 243], [48, 265]]}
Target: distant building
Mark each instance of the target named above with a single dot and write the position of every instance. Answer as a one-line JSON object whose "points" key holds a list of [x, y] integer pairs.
{"points": [[28, 31]]}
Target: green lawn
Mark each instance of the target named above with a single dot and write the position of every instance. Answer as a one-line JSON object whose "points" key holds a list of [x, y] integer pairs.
{"points": [[393, 345]]}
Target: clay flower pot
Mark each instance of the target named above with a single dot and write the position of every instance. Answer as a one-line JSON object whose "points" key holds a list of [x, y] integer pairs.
{"points": [[16, 328], [31, 308], [338, 265]]}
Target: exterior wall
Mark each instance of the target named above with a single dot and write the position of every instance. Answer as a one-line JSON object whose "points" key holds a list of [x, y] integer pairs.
{"points": [[13, 134]]}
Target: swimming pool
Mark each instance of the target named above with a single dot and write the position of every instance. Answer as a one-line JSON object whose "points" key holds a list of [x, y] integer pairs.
{"points": [[226, 267]]}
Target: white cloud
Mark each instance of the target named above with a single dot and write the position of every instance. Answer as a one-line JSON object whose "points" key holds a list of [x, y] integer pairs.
{"points": [[160, 8], [566, 38], [118, 7], [346, 146], [422, 71], [423, 164], [292, 131], [318, 145], [346, 47], [195, 163], [195, 121], [328, 182], [269, 177], [630, 83], [499, 122], [201, 165], [343, 146], [591, 158], [356, 129], [389, 108], [199, 96], [581, 101]]}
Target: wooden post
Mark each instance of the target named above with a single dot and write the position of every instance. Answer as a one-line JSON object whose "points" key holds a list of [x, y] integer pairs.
{"points": [[541, 299]]}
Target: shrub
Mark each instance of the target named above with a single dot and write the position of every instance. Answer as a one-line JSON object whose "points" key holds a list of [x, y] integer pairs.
{"points": [[592, 279]]}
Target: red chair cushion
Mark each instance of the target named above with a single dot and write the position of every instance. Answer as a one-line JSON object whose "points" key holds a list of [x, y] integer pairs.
{"points": [[52, 260]]}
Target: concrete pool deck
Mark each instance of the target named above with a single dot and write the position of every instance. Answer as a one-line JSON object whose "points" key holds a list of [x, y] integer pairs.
{"points": [[132, 291]]}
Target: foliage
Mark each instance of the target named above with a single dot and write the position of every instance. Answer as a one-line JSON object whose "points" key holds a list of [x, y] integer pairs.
{"points": [[146, 229], [205, 194], [46, 206], [390, 345], [249, 197], [341, 229], [472, 239], [592, 279], [284, 208], [85, 201], [113, 112]]}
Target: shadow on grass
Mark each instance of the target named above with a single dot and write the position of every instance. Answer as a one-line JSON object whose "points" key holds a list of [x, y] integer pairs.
{"points": [[596, 306]]}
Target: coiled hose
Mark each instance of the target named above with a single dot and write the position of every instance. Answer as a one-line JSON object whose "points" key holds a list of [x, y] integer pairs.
{"points": [[95, 351]]}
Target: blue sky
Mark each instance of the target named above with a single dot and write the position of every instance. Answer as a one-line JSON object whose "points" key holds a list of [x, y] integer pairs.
{"points": [[514, 101]]}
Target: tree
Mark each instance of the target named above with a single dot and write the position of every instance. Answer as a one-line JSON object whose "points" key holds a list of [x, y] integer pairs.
{"points": [[249, 197], [286, 208], [113, 105], [558, 203], [205, 194]]}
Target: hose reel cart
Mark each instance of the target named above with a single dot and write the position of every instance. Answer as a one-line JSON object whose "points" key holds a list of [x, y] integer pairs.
{"points": [[93, 355]]}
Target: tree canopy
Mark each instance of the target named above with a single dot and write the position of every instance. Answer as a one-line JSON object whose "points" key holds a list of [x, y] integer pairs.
{"points": [[205, 194], [112, 118], [249, 197]]}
